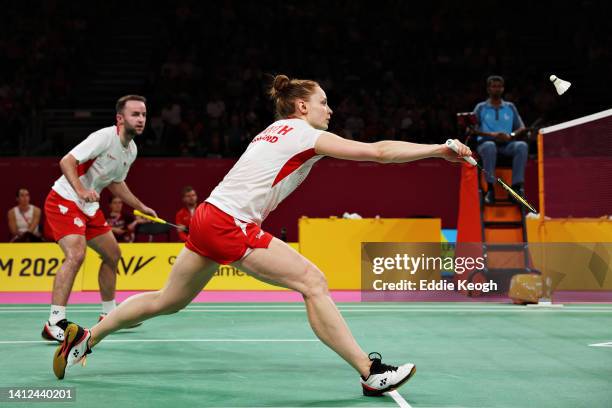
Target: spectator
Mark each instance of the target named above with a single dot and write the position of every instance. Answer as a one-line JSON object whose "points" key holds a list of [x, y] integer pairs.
{"points": [[123, 224], [235, 137], [215, 145], [192, 132], [172, 118], [183, 216], [42, 66], [215, 108], [499, 123], [23, 219]]}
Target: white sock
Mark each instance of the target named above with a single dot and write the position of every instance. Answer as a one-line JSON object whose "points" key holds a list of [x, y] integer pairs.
{"points": [[108, 307], [57, 313]]}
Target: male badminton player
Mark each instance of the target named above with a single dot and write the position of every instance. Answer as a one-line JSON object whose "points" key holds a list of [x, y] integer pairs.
{"points": [[73, 215], [226, 229]]}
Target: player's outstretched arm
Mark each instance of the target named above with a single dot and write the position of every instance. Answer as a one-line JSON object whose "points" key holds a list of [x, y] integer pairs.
{"points": [[122, 191], [385, 151]]}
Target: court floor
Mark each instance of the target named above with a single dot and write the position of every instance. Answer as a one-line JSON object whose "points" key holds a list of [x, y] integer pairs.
{"points": [[265, 355]]}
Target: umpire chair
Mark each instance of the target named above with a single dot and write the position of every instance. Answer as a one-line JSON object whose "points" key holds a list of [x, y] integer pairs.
{"points": [[503, 223]]}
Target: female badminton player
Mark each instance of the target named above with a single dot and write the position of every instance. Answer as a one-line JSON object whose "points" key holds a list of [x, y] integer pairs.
{"points": [[226, 229]]}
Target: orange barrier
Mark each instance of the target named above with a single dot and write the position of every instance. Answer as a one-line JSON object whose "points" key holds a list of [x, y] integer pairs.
{"points": [[468, 223]]}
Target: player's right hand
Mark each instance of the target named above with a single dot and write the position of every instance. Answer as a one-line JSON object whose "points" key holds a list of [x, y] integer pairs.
{"points": [[148, 211], [456, 156], [89, 196]]}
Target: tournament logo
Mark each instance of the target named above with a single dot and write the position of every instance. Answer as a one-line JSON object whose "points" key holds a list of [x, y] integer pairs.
{"points": [[130, 266]]}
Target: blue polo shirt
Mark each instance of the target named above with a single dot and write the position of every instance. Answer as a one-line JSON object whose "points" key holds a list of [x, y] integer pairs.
{"points": [[504, 118]]}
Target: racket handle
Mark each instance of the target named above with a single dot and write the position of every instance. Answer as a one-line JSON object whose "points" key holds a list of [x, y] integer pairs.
{"points": [[149, 217], [450, 143]]}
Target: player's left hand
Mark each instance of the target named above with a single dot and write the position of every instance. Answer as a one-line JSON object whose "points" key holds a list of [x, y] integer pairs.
{"points": [[148, 211]]}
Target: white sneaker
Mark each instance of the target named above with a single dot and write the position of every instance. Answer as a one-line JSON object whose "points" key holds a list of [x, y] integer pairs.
{"points": [[55, 332], [384, 377], [73, 349]]}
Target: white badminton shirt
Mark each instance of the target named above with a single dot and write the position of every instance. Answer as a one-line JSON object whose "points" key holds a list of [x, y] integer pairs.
{"points": [[102, 160], [273, 165]]}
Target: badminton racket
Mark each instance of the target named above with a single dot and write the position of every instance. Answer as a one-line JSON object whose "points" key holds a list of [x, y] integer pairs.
{"points": [[157, 220], [450, 143]]}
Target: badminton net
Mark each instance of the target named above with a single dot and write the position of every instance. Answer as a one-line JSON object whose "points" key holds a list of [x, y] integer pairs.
{"points": [[576, 167]]}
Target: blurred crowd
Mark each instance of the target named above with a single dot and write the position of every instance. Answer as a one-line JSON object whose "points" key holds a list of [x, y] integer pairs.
{"points": [[26, 222], [396, 70], [44, 49]]}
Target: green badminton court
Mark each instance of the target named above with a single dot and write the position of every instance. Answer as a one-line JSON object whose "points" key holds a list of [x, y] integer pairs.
{"points": [[265, 355]]}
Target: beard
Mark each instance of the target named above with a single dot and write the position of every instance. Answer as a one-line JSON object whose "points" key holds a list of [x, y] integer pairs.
{"points": [[130, 130]]}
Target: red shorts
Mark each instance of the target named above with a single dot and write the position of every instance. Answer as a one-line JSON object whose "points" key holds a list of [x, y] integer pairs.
{"points": [[221, 237], [63, 217]]}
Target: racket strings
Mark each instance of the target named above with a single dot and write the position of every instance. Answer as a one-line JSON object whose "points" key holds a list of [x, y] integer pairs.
{"points": [[516, 196]]}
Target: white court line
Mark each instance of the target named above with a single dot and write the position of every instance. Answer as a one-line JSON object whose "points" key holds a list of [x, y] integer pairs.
{"points": [[382, 305], [407, 310], [255, 305], [608, 344], [399, 400], [359, 310], [178, 341], [300, 306], [379, 306]]}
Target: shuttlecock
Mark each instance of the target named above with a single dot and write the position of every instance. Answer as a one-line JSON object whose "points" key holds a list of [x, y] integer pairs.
{"points": [[560, 85]]}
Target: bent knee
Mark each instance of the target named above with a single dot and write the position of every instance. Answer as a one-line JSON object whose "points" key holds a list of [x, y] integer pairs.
{"points": [[314, 282], [112, 256], [521, 146], [487, 146], [75, 258]]}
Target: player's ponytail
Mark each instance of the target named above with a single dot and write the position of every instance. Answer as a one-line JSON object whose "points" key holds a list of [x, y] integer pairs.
{"points": [[285, 91]]}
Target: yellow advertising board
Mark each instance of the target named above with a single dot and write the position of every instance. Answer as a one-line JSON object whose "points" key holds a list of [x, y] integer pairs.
{"points": [[146, 266], [574, 253], [334, 244], [143, 266], [570, 230], [31, 267]]}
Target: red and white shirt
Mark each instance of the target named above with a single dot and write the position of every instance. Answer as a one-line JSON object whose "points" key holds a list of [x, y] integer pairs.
{"points": [[102, 160], [183, 217], [275, 163]]}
